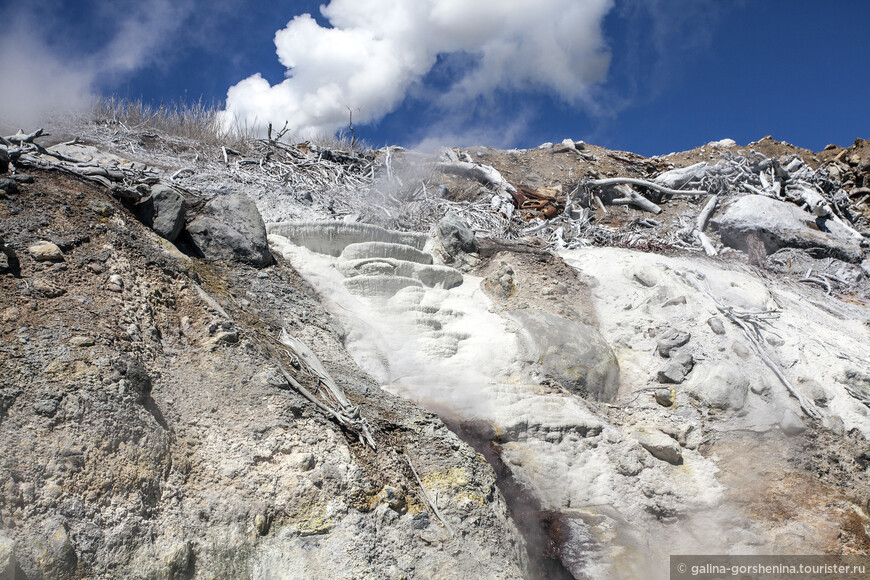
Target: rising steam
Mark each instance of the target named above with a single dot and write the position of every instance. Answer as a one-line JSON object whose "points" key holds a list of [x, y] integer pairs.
{"points": [[377, 51]]}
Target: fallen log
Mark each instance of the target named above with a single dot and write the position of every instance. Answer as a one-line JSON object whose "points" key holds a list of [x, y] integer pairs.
{"points": [[644, 183], [631, 197], [485, 174]]}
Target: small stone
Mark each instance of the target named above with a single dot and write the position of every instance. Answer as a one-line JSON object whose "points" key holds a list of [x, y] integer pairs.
{"points": [[96, 268], [45, 251], [116, 283], [302, 461], [759, 388], [42, 287], [774, 340], [225, 337], [644, 279], [792, 424], [81, 341], [835, 424], [675, 302], [664, 397], [11, 314], [8, 186], [45, 407], [716, 325], [659, 445], [671, 339], [101, 208], [672, 374], [740, 349], [685, 360]]}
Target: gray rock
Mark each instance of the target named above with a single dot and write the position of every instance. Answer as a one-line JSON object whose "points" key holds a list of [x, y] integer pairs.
{"points": [[722, 386], [675, 373], [664, 397], [4, 159], [81, 341], [716, 325], [779, 224], [678, 301], [23, 178], [230, 228], [45, 251], [163, 211], [792, 424], [500, 284], [659, 445], [8, 186], [671, 339], [456, 237], [672, 374], [573, 353], [53, 553], [44, 288], [7, 558]]}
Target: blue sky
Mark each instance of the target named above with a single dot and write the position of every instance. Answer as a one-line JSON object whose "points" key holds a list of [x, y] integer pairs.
{"points": [[681, 72]]}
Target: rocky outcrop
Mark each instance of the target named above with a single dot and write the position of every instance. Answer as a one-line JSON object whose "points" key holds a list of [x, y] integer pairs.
{"points": [[572, 353], [778, 224], [230, 228]]}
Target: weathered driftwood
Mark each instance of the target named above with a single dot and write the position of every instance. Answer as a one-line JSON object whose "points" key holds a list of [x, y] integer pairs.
{"points": [[631, 197], [339, 407], [485, 174], [21, 137], [428, 498], [644, 183], [701, 225], [706, 213]]}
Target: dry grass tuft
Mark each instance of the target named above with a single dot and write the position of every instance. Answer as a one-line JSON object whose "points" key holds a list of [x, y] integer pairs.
{"points": [[203, 122], [197, 121]]}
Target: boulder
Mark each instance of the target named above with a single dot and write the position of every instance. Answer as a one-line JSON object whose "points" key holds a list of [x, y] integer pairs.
{"points": [[455, 241], [722, 386], [163, 211], [230, 228], [572, 353], [4, 159], [778, 224]]}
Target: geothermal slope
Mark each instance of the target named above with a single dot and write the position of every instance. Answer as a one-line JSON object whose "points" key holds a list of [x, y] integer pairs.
{"points": [[411, 375]]}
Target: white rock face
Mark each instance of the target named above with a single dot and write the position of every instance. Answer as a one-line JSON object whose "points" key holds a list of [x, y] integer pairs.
{"points": [[632, 288], [448, 350]]}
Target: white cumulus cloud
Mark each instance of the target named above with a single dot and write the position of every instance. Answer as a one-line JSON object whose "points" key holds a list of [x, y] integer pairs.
{"points": [[375, 51]]}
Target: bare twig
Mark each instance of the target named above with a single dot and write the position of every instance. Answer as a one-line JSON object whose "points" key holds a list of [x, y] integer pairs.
{"points": [[428, 498]]}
